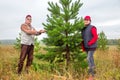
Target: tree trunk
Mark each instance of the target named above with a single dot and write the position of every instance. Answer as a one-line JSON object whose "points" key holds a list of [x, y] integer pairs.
{"points": [[67, 55], [67, 52]]}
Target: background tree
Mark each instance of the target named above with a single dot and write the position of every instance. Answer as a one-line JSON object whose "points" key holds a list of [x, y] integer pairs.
{"points": [[17, 44], [102, 41], [37, 46], [64, 33], [112, 41], [118, 44]]}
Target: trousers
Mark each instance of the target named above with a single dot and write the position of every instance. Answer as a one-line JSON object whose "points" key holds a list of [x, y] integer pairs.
{"points": [[91, 63], [26, 52]]}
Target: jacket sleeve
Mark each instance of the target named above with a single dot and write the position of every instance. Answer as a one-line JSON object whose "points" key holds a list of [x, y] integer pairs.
{"points": [[95, 36], [82, 46]]}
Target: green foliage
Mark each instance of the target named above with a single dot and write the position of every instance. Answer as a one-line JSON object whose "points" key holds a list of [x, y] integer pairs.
{"points": [[37, 45], [48, 57], [41, 66], [17, 44], [102, 41], [79, 60], [64, 32]]}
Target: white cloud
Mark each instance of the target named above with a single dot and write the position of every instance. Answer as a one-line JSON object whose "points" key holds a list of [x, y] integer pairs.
{"points": [[109, 23], [104, 14]]}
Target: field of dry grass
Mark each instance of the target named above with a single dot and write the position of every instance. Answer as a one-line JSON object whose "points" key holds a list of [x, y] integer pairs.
{"points": [[107, 66]]}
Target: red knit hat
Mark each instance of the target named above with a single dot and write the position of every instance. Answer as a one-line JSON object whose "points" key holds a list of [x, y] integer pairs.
{"points": [[87, 18], [28, 16]]}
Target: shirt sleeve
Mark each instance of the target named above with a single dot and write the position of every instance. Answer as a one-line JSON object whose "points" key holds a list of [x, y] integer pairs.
{"points": [[95, 36]]}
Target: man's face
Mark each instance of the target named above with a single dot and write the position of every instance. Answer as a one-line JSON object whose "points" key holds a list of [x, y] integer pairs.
{"points": [[28, 20], [87, 22]]}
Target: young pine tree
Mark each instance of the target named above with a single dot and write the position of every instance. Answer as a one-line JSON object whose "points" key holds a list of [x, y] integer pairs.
{"points": [[64, 32], [102, 41]]}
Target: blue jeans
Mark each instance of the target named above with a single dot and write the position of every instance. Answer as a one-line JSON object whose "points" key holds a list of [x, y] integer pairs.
{"points": [[91, 61]]}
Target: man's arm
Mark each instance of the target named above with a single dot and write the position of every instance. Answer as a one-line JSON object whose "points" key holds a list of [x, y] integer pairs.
{"points": [[29, 31]]}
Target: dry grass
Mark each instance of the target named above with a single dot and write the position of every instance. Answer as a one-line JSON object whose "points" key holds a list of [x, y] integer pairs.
{"points": [[8, 66], [108, 64], [107, 67]]}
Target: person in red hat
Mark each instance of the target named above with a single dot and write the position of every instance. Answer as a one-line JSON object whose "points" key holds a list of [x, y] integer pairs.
{"points": [[27, 43], [89, 35]]}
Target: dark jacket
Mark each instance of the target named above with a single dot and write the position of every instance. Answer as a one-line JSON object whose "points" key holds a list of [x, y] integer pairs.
{"points": [[87, 37]]}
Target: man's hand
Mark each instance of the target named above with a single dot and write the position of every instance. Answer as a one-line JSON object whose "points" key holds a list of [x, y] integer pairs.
{"points": [[42, 31]]}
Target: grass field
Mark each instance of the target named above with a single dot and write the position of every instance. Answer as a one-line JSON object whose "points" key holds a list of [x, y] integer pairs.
{"points": [[107, 66]]}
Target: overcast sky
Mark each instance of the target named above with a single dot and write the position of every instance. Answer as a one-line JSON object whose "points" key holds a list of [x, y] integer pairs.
{"points": [[105, 16]]}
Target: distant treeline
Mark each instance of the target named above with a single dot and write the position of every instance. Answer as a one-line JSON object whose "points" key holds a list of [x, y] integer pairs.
{"points": [[7, 42], [11, 42], [112, 41]]}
